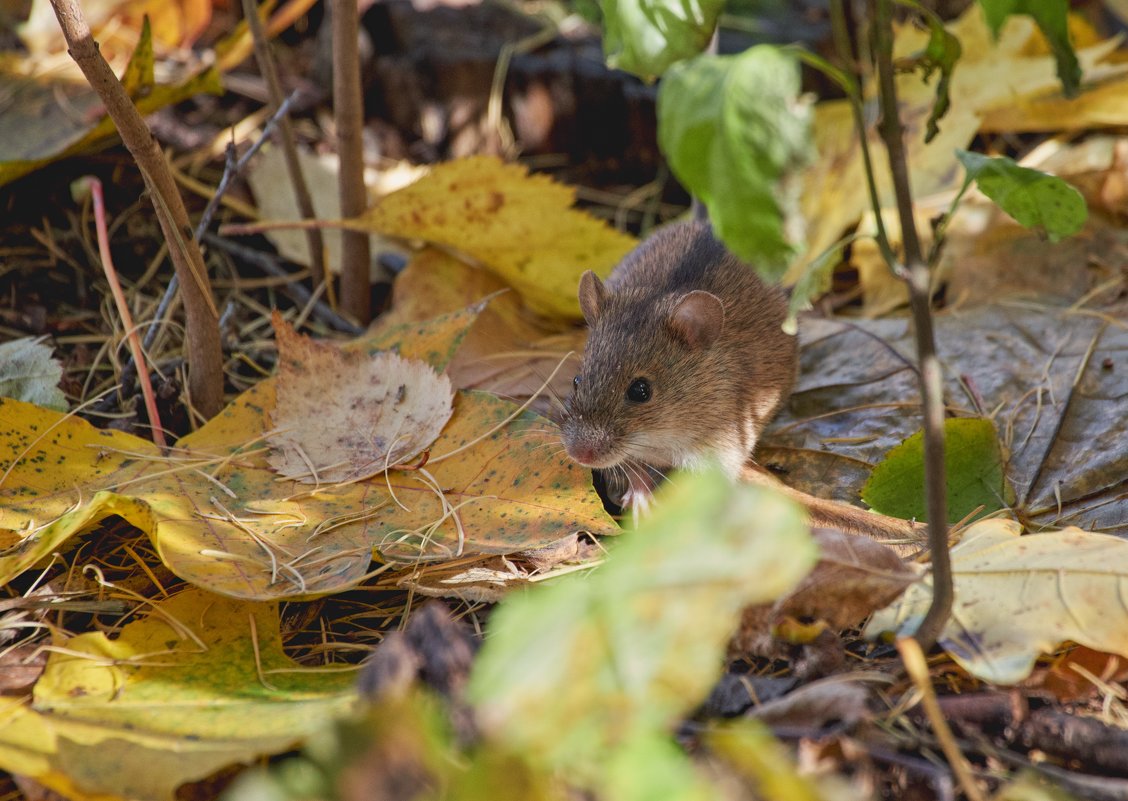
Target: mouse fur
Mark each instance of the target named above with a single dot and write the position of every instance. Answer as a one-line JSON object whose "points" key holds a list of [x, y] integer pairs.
{"points": [[704, 333]]}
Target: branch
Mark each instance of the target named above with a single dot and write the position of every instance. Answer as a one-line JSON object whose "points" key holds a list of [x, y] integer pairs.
{"points": [[205, 358], [348, 103], [919, 284]]}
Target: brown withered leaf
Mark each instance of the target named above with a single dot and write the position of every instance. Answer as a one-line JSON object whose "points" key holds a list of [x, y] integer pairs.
{"points": [[386, 410], [854, 577]]}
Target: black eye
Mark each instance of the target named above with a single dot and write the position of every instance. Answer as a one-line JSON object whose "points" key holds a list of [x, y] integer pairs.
{"points": [[576, 382], [639, 391]]}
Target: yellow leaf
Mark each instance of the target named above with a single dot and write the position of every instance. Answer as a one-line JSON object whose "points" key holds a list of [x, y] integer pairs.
{"points": [[221, 519], [997, 86], [174, 697], [519, 226], [1021, 596], [37, 129]]}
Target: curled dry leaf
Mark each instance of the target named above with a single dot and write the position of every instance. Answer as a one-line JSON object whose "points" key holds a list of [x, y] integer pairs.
{"points": [[855, 576], [346, 415]]}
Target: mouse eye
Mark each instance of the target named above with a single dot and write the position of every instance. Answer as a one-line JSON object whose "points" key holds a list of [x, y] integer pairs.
{"points": [[639, 391], [576, 382]]}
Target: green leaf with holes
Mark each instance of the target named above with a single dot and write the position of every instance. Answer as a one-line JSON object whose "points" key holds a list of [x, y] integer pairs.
{"points": [[647, 36], [1034, 199]]}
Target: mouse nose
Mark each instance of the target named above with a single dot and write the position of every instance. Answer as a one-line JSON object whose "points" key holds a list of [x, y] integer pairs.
{"points": [[584, 453]]}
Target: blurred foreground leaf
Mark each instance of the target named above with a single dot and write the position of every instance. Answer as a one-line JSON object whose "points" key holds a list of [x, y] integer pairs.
{"points": [[647, 36], [590, 667]]}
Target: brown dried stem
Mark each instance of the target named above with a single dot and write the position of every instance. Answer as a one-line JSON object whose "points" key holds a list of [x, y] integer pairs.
{"points": [[348, 104], [269, 72], [205, 358]]}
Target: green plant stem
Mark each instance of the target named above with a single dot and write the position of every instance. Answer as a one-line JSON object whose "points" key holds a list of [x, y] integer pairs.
{"points": [[918, 279]]}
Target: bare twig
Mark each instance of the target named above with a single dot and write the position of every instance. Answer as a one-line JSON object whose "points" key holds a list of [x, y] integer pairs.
{"points": [[917, 668], [205, 377], [348, 103], [918, 279], [231, 171], [286, 138]]}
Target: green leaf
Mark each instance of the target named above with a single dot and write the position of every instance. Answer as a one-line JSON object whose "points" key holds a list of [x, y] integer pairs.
{"points": [[1035, 199], [973, 462], [731, 128], [942, 53], [647, 36], [576, 670], [1052, 18]]}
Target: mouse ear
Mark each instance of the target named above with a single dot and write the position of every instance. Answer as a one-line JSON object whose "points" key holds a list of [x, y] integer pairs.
{"points": [[592, 294], [697, 318]]}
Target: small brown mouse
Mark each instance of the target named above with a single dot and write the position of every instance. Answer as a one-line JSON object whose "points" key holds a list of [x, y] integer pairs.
{"points": [[686, 360]]}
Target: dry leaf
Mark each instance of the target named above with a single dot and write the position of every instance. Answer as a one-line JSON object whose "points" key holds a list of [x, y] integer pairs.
{"points": [[509, 351], [854, 577], [519, 226], [1017, 597], [176, 695], [345, 415]]}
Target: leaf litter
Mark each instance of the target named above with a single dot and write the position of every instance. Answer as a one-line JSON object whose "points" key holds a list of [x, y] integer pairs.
{"points": [[1047, 335]]}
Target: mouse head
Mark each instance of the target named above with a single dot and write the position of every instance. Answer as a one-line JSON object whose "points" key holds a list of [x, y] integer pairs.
{"points": [[639, 373]]}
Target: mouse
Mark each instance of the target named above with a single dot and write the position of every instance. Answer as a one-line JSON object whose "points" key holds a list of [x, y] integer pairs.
{"points": [[686, 361]]}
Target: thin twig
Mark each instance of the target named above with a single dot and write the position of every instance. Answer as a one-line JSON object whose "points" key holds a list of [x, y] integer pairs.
{"points": [[919, 284], [269, 72], [917, 668], [205, 378]]}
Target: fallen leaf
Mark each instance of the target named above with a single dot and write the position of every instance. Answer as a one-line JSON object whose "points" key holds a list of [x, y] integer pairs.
{"points": [[1083, 673], [854, 577], [46, 119], [1040, 369], [199, 683], [519, 226], [1017, 597], [1007, 75], [342, 416], [973, 463], [617, 658], [221, 519], [508, 351], [28, 373]]}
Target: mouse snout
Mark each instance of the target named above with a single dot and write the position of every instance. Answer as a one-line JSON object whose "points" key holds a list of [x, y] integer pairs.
{"points": [[589, 446]]}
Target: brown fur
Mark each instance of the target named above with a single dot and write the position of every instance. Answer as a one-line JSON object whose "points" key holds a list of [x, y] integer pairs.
{"points": [[717, 377]]}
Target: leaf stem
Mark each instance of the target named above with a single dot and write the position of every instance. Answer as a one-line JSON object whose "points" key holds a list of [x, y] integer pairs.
{"points": [[918, 278]]}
